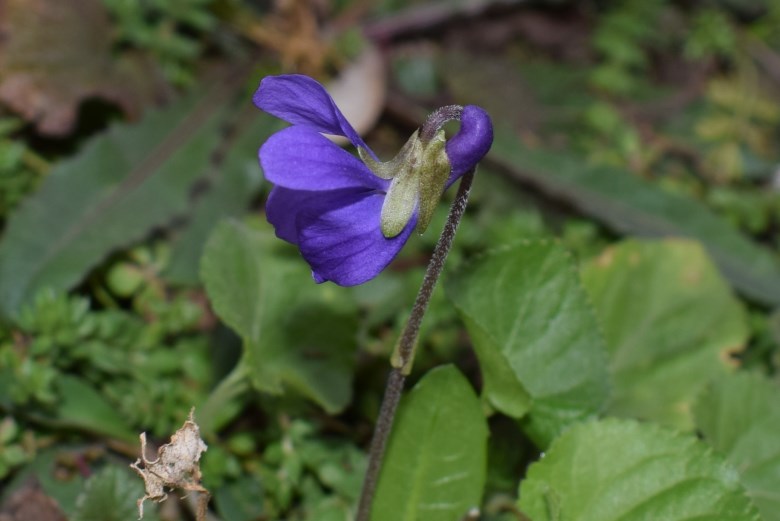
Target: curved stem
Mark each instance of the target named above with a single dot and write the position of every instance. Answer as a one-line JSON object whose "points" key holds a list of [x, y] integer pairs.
{"points": [[437, 120], [403, 356]]}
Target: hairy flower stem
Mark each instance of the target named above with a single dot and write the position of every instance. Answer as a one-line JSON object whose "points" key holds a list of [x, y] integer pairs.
{"points": [[403, 355]]}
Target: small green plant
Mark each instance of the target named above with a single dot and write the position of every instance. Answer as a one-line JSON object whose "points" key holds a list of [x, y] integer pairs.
{"points": [[13, 449], [172, 31], [301, 466], [622, 39], [712, 35], [148, 371], [739, 121], [20, 167]]}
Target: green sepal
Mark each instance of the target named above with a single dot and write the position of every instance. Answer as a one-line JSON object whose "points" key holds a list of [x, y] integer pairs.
{"points": [[419, 173], [433, 173], [400, 202], [389, 169], [401, 198]]}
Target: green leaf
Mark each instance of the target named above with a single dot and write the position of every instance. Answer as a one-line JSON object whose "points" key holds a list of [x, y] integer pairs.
{"points": [[623, 470], [110, 495], [228, 190], [436, 458], [740, 416], [296, 333], [240, 500], [327, 508], [535, 334], [124, 182], [631, 205], [670, 322], [81, 406]]}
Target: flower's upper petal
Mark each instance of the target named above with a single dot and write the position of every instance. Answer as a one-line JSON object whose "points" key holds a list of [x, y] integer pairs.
{"points": [[342, 241], [303, 159], [300, 100], [466, 148]]}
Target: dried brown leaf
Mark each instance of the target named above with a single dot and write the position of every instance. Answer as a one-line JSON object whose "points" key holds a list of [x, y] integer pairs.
{"points": [[55, 54], [176, 466], [30, 503]]}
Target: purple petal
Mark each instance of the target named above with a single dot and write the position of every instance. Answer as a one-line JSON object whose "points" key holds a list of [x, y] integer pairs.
{"points": [[342, 240], [284, 205], [466, 148], [282, 209], [302, 159], [300, 100]]}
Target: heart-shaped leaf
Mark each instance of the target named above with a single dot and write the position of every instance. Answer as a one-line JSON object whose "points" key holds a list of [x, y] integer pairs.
{"points": [[740, 416], [535, 334], [670, 322], [624, 470], [296, 333]]}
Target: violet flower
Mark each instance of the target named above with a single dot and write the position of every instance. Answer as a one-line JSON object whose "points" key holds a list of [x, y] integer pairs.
{"points": [[350, 216]]}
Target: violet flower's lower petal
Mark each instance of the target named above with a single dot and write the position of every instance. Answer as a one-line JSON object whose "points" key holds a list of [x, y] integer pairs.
{"points": [[302, 159], [300, 100], [284, 205], [342, 240], [282, 208], [466, 148]]}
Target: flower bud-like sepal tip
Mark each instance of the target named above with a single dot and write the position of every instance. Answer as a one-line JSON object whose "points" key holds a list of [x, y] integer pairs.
{"points": [[467, 148]]}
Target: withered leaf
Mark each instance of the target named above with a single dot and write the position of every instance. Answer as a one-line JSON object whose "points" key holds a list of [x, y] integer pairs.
{"points": [[54, 54], [30, 502], [176, 466]]}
